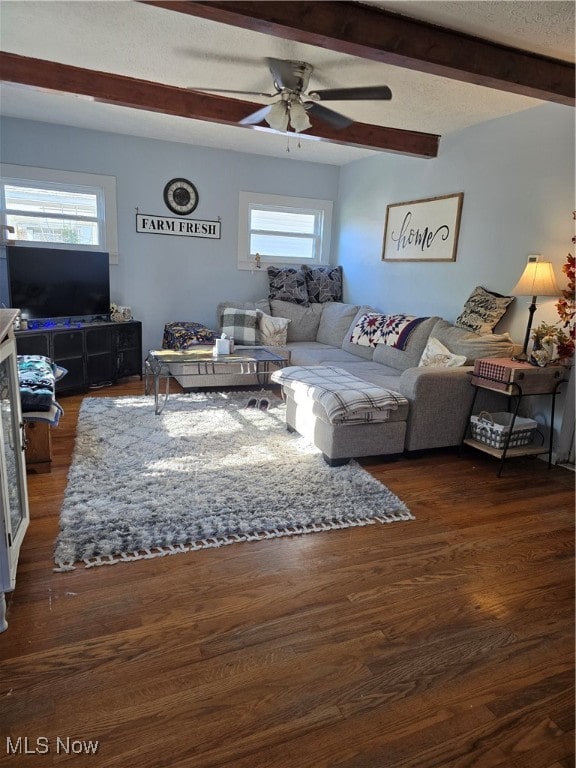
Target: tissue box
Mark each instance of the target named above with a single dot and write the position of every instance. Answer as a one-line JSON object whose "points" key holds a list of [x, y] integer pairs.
{"points": [[222, 346]]}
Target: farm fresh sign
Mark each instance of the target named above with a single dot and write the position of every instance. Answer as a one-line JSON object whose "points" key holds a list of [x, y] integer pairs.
{"points": [[168, 225]]}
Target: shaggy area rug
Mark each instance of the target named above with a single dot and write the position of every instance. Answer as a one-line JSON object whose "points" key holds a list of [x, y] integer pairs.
{"points": [[206, 472]]}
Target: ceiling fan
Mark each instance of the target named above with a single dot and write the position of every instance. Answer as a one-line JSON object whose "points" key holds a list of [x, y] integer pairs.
{"points": [[295, 104]]}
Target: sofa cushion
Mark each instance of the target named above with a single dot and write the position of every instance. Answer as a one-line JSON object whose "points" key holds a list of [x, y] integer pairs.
{"points": [[287, 284], [482, 310], [409, 357], [473, 345], [334, 323], [314, 353], [323, 283], [241, 325], [382, 375], [304, 320], [272, 331], [436, 355]]}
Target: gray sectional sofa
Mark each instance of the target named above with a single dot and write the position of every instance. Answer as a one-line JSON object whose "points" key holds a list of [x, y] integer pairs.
{"points": [[439, 399]]}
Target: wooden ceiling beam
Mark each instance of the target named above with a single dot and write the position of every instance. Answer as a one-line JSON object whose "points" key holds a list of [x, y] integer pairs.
{"points": [[373, 33], [170, 100]]}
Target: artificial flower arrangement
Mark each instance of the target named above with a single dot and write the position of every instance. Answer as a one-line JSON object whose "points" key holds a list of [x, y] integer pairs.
{"points": [[562, 333]]}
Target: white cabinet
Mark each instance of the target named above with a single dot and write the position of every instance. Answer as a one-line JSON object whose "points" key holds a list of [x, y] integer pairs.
{"points": [[14, 515]]}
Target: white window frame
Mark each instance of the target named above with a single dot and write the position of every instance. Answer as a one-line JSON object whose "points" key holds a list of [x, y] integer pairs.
{"points": [[104, 186], [249, 200]]}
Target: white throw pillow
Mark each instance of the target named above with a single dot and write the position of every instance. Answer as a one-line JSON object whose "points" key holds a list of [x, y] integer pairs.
{"points": [[436, 355], [273, 331]]}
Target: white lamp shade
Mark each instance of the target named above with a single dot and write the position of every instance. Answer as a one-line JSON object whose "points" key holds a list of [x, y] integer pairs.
{"points": [[277, 117], [538, 279], [299, 117]]}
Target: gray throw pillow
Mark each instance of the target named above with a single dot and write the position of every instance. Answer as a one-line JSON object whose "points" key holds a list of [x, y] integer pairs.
{"points": [[287, 284], [323, 283]]}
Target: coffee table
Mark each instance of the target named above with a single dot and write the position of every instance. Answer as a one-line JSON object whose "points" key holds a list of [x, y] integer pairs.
{"points": [[259, 361]]}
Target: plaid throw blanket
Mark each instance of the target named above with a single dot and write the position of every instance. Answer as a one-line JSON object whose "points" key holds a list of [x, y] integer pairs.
{"points": [[340, 393]]}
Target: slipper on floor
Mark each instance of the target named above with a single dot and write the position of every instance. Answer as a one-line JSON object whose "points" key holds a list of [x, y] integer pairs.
{"points": [[264, 404], [252, 403]]}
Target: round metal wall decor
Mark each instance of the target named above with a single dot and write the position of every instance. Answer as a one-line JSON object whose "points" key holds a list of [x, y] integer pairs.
{"points": [[181, 196]]}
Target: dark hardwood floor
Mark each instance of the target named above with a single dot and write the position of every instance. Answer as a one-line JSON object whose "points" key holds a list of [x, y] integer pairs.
{"points": [[446, 641]]}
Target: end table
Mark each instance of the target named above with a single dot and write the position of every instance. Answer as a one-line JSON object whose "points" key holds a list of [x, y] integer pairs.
{"points": [[515, 380]]}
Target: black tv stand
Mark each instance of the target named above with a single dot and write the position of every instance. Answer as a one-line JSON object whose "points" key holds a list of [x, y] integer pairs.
{"points": [[95, 353]]}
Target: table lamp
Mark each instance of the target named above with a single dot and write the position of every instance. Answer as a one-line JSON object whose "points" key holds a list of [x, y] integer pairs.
{"points": [[538, 279]]}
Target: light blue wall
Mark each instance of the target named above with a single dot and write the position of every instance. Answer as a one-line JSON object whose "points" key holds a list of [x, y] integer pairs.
{"points": [[162, 277], [516, 173], [517, 176]]}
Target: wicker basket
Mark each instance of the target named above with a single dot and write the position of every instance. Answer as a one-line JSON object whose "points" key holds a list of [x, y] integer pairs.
{"points": [[493, 429]]}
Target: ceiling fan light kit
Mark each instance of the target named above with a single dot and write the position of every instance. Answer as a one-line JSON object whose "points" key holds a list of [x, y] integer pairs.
{"points": [[288, 112], [298, 117], [295, 104], [278, 117]]}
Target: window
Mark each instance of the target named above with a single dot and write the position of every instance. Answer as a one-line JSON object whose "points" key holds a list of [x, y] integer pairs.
{"points": [[45, 206], [283, 230]]}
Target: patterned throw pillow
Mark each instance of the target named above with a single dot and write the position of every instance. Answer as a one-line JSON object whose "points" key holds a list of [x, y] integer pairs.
{"points": [[397, 329], [436, 355], [483, 310], [287, 284], [393, 330], [273, 331], [367, 329], [323, 283], [241, 325]]}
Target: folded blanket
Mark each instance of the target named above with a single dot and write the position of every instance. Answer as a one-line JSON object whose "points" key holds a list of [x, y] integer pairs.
{"points": [[37, 382], [342, 395], [52, 416], [394, 330]]}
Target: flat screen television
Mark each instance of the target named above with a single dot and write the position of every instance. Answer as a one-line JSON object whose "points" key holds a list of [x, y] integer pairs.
{"points": [[57, 282]]}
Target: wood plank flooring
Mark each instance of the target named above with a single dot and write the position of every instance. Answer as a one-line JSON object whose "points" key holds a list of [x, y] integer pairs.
{"points": [[447, 641]]}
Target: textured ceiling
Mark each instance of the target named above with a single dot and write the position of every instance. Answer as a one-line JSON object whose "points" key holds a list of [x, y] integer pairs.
{"points": [[162, 46], [545, 27]]}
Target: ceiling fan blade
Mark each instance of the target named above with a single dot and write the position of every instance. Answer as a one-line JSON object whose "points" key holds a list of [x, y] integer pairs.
{"points": [[355, 94], [335, 119], [227, 90], [255, 117], [283, 73]]}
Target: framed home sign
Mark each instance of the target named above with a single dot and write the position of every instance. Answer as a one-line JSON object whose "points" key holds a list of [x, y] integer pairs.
{"points": [[423, 230]]}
